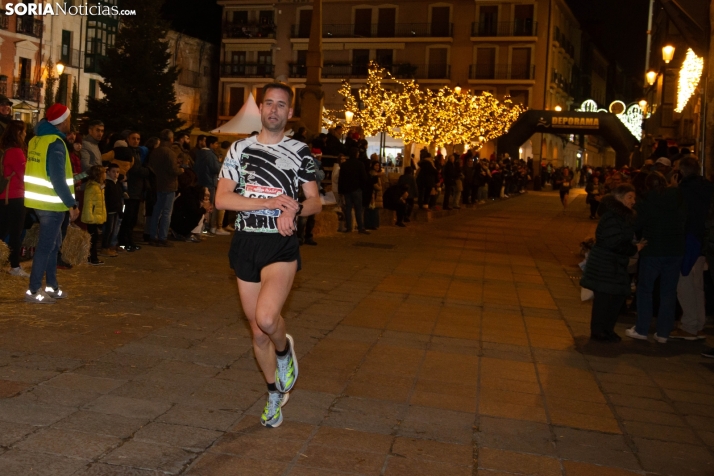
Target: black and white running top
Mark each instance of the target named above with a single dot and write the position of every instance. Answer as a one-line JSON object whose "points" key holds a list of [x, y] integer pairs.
{"points": [[266, 171]]}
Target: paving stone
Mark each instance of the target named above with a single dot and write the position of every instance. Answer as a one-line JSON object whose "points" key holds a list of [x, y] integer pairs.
{"points": [[409, 467], [13, 432], [100, 469], [85, 383], [511, 462], [226, 465], [594, 447], [187, 437], [200, 417], [427, 450], [342, 459], [515, 435], [674, 458], [101, 424], [73, 444], [18, 462], [574, 468], [372, 416], [149, 456], [437, 424], [19, 411], [128, 407]]}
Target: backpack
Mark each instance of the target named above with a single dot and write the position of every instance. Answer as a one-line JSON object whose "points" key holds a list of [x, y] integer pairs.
{"points": [[4, 181]]}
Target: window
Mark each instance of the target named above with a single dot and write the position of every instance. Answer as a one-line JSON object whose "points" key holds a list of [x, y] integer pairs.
{"points": [[265, 17], [520, 96], [236, 100], [360, 62], [63, 89], [363, 22], [240, 17], [386, 22], [438, 63], [523, 20], [265, 62], [65, 54], [101, 33], [92, 89], [485, 63], [488, 20], [440, 21], [385, 58], [521, 63], [305, 23]]}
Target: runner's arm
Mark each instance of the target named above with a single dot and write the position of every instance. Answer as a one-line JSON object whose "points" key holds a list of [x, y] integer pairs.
{"points": [[312, 204], [227, 199]]}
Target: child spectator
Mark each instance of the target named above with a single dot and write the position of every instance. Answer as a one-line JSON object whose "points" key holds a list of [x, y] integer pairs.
{"points": [[94, 212]]}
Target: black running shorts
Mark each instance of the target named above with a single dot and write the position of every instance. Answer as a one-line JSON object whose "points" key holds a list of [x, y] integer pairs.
{"points": [[251, 252]]}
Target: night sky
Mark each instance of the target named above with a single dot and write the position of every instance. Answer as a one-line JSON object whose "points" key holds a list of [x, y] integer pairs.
{"points": [[618, 28], [197, 18]]}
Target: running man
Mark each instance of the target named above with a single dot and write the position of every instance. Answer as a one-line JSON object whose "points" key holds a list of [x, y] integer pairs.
{"points": [[259, 180]]}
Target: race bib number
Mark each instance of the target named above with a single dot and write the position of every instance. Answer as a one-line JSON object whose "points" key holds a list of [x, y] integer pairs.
{"points": [[258, 191]]}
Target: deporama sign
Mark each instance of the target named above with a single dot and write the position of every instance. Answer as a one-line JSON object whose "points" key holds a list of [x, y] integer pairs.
{"points": [[584, 122]]}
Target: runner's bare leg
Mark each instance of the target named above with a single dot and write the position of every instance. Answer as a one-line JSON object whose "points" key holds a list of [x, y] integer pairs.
{"points": [[262, 303]]}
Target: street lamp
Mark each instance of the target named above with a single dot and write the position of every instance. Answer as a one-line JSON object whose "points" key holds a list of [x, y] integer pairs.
{"points": [[457, 89], [651, 77], [60, 69], [643, 104], [349, 115], [558, 108], [668, 53]]}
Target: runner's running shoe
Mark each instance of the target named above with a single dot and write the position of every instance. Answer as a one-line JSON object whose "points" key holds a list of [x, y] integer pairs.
{"points": [[287, 372], [272, 416]]}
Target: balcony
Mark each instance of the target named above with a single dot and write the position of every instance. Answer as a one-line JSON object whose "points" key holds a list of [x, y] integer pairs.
{"points": [[502, 71], [398, 70], [247, 70], [26, 90], [29, 26], [4, 21], [560, 81], [191, 79], [93, 62], [249, 30], [510, 28], [396, 30]]}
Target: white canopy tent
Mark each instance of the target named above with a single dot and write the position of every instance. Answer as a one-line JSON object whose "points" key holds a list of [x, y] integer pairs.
{"points": [[246, 121]]}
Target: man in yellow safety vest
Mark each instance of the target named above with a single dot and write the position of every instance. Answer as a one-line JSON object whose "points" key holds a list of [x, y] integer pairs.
{"points": [[49, 189]]}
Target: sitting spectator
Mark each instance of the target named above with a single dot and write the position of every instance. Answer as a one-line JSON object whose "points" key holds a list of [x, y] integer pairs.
{"points": [[408, 179], [94, 212], [190, 208]]}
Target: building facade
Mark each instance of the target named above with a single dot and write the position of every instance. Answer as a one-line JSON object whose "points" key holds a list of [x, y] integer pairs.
{"points": [[527, 50]]}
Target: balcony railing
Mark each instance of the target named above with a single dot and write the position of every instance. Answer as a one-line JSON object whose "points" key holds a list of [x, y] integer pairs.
{"points": [[25, 90], [526, 27], [249, 30], [559, 80], [360, 70], [247, 70], [394, 30], [93, 63], [29, 26], [501, 71], [189, 78], [4, 22]]}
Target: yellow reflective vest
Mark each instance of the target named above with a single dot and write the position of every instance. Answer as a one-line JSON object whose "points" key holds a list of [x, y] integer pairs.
{"points": [[39, 192]]}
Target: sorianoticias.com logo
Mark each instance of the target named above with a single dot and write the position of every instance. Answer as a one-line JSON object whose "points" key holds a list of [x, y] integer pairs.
{"points": [[62, 8]]}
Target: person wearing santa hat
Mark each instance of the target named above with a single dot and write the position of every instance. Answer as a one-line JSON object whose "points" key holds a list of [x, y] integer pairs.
{"points": [[49, 189]]}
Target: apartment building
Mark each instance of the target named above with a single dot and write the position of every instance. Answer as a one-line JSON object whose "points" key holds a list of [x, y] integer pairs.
{"points": [[526, 49]]}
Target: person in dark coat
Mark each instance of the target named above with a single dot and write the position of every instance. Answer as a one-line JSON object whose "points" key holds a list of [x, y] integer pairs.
{"points": [[450, 175], [408, 179], [395, 198], [352, 180], [606, 269], [426, 180], [661, 217]]}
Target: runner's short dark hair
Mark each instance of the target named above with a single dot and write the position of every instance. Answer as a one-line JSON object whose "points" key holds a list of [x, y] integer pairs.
{"points": [[277, 85]]}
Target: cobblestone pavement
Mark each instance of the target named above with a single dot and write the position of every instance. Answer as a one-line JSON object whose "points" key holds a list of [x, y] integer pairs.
{"points": [[457, 347]]}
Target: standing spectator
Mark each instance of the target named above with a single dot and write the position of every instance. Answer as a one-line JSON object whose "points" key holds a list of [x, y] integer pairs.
{"points": [[378, 181], [136, 177], [200, 144], [5, 113], [408, 179], [166, 166], [339, 199], [113, 206], [91, 154], [458, 184], [426, 179], [12, 198], [49, 163], [207, 168], [352, 179], [300, 135], [606, 269], [94, 212], [697, 193], [468, 180], [449, 174], [661, 217], [594, 190], [180, 149]]}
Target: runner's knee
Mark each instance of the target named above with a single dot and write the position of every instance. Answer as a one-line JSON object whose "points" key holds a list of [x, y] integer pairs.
{"points": [[267, 320]]}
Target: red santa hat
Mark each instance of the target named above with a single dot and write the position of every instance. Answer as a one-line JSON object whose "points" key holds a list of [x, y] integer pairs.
{"points": [[57, 114]]}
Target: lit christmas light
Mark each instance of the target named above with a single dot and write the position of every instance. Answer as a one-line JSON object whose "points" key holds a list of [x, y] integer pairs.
{"points": [[689, 77]]}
